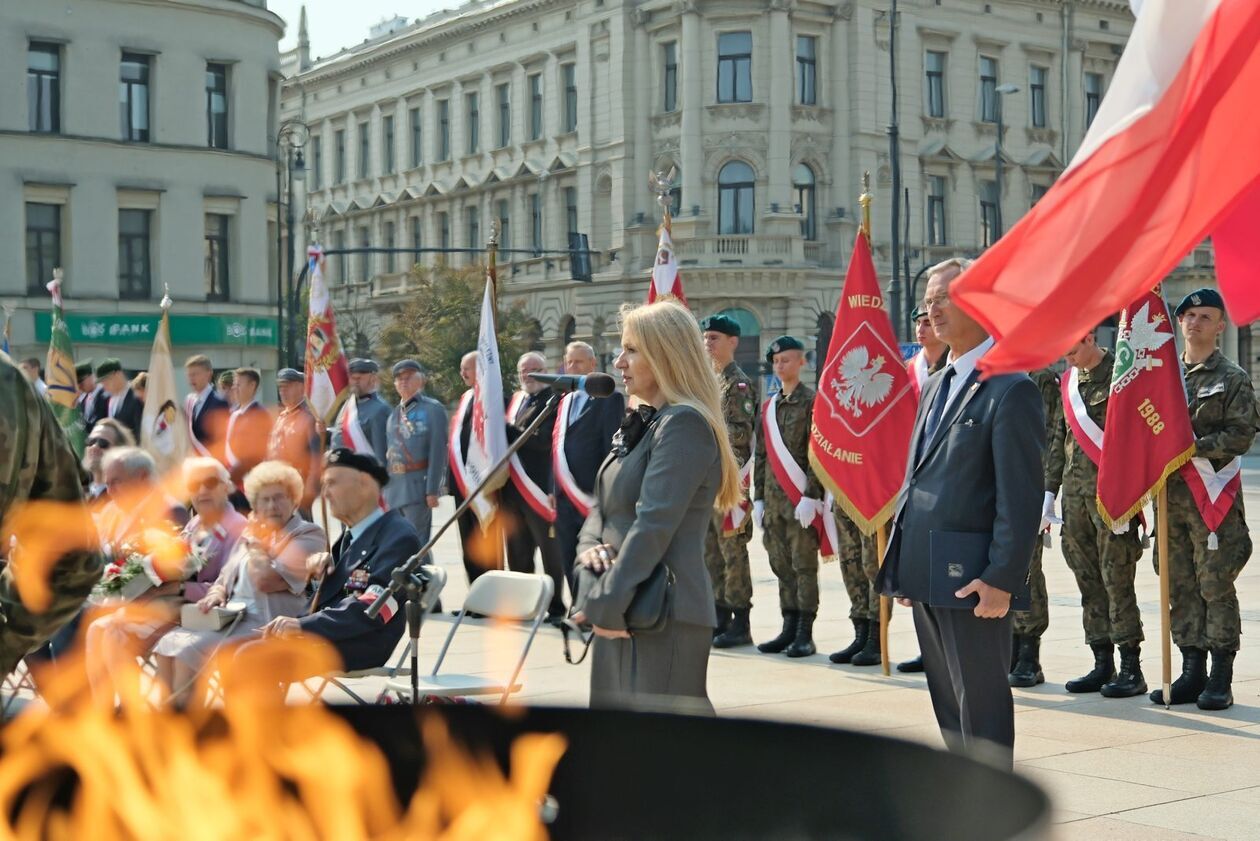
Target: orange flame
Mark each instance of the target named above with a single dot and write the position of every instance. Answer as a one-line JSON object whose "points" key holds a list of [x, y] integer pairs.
{"points": [[45, 532]]}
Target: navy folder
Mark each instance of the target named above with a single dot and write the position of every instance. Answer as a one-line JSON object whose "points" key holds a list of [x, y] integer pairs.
{"points": [[955, 559]]}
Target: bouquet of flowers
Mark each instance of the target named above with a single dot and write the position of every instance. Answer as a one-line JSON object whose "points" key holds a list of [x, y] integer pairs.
{"points": [[157, 558]]}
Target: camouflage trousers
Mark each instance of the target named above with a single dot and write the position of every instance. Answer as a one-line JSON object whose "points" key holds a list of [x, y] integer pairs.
{"points": [[1034, 621], [726, 558], [793, 555], [1203, 601], [858, 566], [1105, 565]]}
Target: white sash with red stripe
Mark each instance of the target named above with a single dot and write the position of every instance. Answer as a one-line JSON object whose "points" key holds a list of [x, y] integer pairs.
{"points": [[581, 500], [1088, 435], [917, 368], [735, 517], [1213, 491], [791, 478], [352, 433], [189, 405], [454, 447], [535, 496]]}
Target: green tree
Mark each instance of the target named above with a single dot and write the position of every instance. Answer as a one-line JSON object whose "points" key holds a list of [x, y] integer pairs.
{"points": [[441, 322]]}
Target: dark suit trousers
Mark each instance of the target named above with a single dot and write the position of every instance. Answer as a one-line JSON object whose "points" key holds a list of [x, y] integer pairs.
{"points": [[526, 531], [469, 535], [568, 525], [967, 660]]}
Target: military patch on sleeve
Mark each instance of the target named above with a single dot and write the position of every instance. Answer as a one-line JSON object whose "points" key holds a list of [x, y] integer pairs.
{"points": [[748, 407]]}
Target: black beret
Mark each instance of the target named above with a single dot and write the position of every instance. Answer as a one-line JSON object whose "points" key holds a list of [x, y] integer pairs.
{"points": [[363, 366], [362, 462], [107, 366], [83, 370], [290, 375], [407, 365], [721, 324], [1205, 297], [781, 344]]}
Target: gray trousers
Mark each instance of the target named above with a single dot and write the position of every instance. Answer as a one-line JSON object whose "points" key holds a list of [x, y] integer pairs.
{"points": [[665, 672], [420, 515], [967, 660]]}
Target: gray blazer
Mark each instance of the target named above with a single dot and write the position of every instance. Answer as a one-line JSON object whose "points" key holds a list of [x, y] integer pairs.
{"points": [[981, 472], [655, 505]]}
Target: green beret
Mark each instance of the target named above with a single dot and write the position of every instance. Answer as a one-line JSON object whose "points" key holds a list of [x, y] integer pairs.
{"points": [[1205, 297], [83, 370], [362, 462], [781, 344], [721, 324], [917, 313], [107, 366]]}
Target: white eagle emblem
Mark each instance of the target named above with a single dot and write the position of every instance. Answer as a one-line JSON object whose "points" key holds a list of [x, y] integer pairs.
{"points": [[860, 381]]}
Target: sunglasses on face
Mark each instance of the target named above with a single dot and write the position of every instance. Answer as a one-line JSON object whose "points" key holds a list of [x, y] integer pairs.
{"points": [[207, 484], [100, 443]]}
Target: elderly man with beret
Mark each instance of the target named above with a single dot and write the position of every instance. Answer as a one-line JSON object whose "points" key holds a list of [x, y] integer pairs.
{"points": [[416, 454], [297, 436], [373, 410]]}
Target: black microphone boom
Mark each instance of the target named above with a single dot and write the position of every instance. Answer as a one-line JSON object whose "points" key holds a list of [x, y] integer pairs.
{"points": [[595, 385]]}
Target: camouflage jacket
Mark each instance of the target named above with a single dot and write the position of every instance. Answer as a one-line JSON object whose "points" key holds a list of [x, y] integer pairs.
{"points": [[1067, 465], [37, 464], [1223, 409], [739, 405], [795, 413]]}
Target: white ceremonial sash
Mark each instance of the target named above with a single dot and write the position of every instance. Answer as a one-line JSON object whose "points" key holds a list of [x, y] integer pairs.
{"points": [[581, 500], [535, 496]]}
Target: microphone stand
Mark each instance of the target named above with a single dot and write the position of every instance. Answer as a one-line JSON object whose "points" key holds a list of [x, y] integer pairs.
{"points": [[411, 580]]}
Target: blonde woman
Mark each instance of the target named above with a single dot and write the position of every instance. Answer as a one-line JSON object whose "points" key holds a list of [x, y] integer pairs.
{"points": [[671, 465]]}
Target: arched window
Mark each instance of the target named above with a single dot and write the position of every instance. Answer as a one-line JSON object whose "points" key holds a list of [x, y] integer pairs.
{"points": [[806, 203], [735, 198], [748, 351], [568, 329]]}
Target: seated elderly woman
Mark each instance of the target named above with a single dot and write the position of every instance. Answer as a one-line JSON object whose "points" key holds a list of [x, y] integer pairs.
{"points": [[266, 573], [211, 535]]}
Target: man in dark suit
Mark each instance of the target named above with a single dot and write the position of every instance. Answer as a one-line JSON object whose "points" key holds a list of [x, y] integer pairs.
{"points": [[374, 544], [115, 399], [588, 429], [206, 411], [972, 479]]}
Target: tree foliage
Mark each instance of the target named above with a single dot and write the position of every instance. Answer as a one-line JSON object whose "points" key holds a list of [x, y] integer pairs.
{"points": [[441, 322]]}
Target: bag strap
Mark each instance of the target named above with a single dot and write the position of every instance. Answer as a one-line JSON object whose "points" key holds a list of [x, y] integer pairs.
{"points": [[567, 627]]}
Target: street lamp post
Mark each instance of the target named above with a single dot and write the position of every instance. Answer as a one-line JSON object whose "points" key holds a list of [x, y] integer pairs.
{"points": [[1000, 91], [291, 138]]}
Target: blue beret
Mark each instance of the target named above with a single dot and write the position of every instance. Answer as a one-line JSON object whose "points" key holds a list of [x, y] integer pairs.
{"points": [[407, 365]]}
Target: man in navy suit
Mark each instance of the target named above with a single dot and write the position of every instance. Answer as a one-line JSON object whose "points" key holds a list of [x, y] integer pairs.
{"points": [[374, 544], [115, 399], [589, 425], [207, 412], [973, 483]]}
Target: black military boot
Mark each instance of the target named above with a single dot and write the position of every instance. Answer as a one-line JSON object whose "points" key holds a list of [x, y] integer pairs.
{"points": [[723, 619], [803, 645], [911, 666], [1217, 694], [1129, 680], [860, 629], [1193, 678], [1104, 669], [738, 632], [1016, 639], [870, 655], [785, 637], [1027, 671]]}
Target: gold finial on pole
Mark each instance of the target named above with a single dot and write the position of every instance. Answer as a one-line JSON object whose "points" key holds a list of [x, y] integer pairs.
{"points": [[865, 201], [492, 261]]}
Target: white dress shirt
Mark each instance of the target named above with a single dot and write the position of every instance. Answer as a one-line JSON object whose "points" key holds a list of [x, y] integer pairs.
{"points": [[963, 367]]}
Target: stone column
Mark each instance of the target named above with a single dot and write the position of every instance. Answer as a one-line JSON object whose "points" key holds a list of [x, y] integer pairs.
{"points": [[690, 54], [780, 98]]}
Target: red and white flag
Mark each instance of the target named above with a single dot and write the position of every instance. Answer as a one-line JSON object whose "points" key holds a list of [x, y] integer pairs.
{"points": [[488, 442], [917, 368], [1172, 157], [352, 433], [1147, 435], [327, 372], [666, 281], [865, 407], [1088, 435]]}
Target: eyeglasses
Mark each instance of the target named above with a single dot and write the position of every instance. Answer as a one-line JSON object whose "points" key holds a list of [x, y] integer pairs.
{"points": [[207, 484], [100, 443]]}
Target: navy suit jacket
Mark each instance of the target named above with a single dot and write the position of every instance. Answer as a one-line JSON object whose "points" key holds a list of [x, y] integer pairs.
{"points": [[341, 616], [534, 454], [130, 414], [210, 424], [588, 440]]}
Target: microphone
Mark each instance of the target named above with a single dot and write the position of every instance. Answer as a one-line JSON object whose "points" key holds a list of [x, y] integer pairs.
{"points": [[595, 385]]}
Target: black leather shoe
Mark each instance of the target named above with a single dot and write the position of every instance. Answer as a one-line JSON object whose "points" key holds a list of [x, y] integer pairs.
{"points": [[785, 638], [1104, 669], [803, 645], [910, 667], [860, 629], [1218, 695], [1027, 671], [1193, 679], [1129, 681]]}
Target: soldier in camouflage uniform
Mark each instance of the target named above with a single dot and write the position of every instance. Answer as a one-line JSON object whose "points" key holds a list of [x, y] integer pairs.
{"points": [[790, 539], [1103, 562], [1201, 568], [726, 555], [858, 566], [37, 464]]}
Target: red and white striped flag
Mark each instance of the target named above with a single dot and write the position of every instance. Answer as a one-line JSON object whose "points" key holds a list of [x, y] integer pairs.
{"points": [[666, 281], [327, 372], [352, 433], [488, 442]]}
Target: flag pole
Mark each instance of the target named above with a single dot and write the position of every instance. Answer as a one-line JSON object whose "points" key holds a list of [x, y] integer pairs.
{"points": [[1165, 611]]}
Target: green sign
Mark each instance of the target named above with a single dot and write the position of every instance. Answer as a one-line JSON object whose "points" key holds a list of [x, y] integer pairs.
{"points": [[191, 330]]}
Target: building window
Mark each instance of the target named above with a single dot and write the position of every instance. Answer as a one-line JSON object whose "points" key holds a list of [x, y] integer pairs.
{"points": [[365, 150], [735, 198], [365, 259], [535, 223], [339, 156], [807, 69], [387, 129], [1093, 96], [444, 230], [505, 229], [43, 87], [988, 213], [671, 76], [43, 244], [806, 202], [473, 114], [417, 237], [988, 89], [135, 269], [1037, 94], [217, 106], [444, 130], [735, 67], [503, 92], [535, 106], [568, 74], [417, 146], [675, 201], [570, 210], [934, 66], [133, 97], [1038, 192], [391, 242], [216, 267], [317, 163], [343, 262], [474, 229], [936, 210]]}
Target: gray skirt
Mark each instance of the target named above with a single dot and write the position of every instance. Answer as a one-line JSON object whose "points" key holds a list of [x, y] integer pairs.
{"points": [[665, 672]]}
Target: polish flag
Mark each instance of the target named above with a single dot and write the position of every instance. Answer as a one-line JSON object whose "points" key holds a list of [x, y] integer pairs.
{"points": [[666, 282], [327, 372], [351, 431], [1172, 158]]}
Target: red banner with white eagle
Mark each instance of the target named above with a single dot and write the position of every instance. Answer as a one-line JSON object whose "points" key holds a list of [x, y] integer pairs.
{"points": [[864, 411], [327, 372]]}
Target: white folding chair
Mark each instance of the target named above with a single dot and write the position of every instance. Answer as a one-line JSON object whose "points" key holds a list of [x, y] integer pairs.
{"points": [[437, 582], [505, 596]]}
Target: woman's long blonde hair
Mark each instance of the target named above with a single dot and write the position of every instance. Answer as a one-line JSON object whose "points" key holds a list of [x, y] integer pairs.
{"points": [[668, 336]]}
